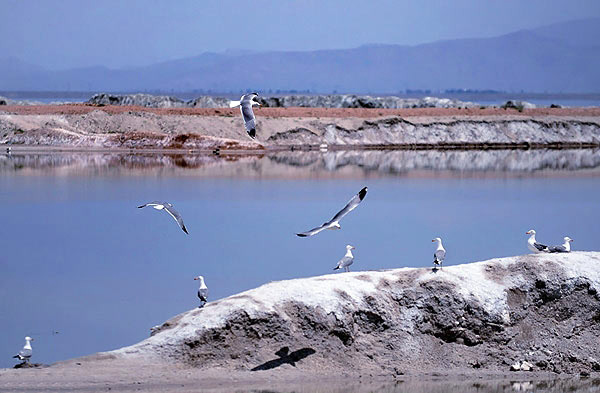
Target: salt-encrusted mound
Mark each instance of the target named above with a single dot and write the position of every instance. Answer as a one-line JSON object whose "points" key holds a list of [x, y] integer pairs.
{"points": [[543, 309], [460, 132]]}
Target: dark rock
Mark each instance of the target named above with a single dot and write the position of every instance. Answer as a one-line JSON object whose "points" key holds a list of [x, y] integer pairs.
{"points": [[145, 100]]}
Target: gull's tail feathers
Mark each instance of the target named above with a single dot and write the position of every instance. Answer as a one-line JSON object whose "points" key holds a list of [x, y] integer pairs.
{"points": [[233, 104]]}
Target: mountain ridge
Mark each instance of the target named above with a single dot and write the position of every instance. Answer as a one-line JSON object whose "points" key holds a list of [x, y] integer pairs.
{"points": [[546, 59]]}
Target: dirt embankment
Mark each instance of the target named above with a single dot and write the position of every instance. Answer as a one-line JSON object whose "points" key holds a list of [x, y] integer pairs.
{"points": [[85, 126], [488, 316]]}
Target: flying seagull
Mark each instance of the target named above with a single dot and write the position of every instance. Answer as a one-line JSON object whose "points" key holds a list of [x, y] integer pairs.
{"points": [[202, 291], [245, 103], [440, 253], [334, 223], [533, 245], [347, 260], [166, 206], [566, 247], [25, 353]]}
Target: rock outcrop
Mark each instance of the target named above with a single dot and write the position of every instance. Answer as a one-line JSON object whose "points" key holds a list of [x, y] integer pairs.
{"points": [[540, 309], [145, 100], [309, 101], [354, 101]]}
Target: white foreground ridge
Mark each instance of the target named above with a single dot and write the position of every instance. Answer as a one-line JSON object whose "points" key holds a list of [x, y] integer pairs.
{"points": [[346, 292]]}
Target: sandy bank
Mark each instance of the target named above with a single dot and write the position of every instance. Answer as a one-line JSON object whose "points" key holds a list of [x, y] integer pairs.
{"points": [[118, 127]]}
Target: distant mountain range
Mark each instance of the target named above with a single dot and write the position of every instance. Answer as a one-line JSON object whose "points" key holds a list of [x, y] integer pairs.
{"points": [[563, 57]]}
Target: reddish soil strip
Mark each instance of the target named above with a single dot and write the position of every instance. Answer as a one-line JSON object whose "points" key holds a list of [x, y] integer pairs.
{"points": [[71, 109]]}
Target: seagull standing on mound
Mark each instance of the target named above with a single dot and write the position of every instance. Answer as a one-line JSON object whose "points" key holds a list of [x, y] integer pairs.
{"points": [[566, 247], [202, 291], [440, 253], [347, 260], [245, 103], [25, 353], [166, 206], [533, 245], [334, 223]]}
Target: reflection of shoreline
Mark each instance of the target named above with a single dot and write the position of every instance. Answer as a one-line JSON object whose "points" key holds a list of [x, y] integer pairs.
{"points": [[303, 164]]}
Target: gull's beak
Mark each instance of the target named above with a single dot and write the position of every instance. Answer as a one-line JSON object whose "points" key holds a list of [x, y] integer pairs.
{"points": [[195, 278], [528, 232], [354, 248], [570, 240], [433, 240]]}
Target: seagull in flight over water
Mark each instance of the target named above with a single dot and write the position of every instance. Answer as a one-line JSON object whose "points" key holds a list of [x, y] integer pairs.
{"points": [[166, 206], [245, 103], [334, 223]]}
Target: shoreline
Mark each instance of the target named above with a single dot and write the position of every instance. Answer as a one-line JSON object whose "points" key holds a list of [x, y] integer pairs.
{"points": [[83, 108]]}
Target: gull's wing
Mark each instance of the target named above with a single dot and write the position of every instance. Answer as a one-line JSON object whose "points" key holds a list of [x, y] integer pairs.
{"points": [[248, 115], [313, 231], [439, 255], [351, 205], [203, 294], [557, 249], [25, 353], [173, 213], [345, 261], [153, 203], [540, 246]]}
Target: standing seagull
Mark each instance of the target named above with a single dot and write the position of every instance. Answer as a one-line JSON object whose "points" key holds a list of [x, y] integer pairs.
{"points": [[566, 247], [25, 353], [439, 254], [202, 291], [245, 103], [533, 245], [334, 223], [347, 260], [166, 206]]}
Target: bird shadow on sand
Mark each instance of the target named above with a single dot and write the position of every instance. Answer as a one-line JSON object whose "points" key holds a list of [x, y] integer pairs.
{"points": [[285, 357]]}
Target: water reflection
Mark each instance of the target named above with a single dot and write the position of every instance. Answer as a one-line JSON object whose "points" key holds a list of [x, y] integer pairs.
{"points": [[577, 385], [337, 163]]}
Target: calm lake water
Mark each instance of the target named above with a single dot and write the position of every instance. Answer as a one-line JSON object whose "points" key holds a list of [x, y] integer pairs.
{"points": [[77, 256]]}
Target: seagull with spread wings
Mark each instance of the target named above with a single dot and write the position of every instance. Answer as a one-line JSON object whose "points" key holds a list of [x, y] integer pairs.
{"points": [[245, 103], [166, 206], [334, 223]]}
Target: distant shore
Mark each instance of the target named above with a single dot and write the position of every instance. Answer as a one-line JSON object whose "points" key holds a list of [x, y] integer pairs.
{"points": [[87, 126], [77, 109]]}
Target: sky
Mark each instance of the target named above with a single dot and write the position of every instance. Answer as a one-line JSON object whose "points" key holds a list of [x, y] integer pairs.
{"points": [[115, 33]]}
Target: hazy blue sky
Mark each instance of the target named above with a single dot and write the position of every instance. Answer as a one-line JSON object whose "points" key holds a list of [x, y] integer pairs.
{"points": [[117, 33]]}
